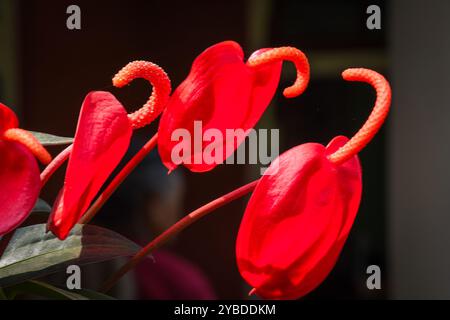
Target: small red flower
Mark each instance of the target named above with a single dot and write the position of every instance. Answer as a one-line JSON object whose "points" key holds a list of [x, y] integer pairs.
{"points": [[19, 172], [224, 92], [102, 137], [302, 210]]}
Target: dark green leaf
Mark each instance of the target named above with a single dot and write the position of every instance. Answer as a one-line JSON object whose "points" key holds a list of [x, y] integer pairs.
{"points": [[43, 289], [3, 295], [93, 295], [31, 252], [46, 290], [42, 206], [51, 140]]}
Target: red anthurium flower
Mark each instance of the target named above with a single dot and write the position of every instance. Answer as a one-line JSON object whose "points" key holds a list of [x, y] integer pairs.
{"points": [[302, 210], [223, 92], [19, 172], [102, 137]]}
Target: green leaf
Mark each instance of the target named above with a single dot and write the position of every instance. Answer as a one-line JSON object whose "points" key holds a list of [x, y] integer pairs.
{"points": [[3, 295], [42, 206], [33, 252], [51, 140], [94, 295], [46, 290], [43, 289]]}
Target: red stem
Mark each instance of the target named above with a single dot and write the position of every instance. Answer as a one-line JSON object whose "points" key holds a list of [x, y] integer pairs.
{"points": [[121, 176], [175, 229], [55, 164]]}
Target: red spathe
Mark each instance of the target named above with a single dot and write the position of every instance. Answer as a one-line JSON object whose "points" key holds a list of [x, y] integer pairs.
{"points": [[101, 140], [297, 221], [20, 184], [19, 176], [8, 119], [223, 93]]}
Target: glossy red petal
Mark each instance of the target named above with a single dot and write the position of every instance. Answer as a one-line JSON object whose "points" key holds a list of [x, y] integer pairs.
{"points": [[297, 221], [221, 92], [102, 138], [8, 119], [19, 183]]}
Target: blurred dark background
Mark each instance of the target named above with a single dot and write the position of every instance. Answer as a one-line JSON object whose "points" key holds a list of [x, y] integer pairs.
{"points": [[46, 70]]}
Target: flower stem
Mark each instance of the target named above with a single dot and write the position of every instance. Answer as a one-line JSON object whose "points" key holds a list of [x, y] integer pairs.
{"points": [[175, 229], [121, 176], [55, 164]]}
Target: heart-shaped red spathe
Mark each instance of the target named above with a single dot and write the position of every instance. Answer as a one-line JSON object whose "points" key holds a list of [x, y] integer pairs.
{"points": [[297, 221], [19, 182], [103, 135], [102, 138], [222, 92], [19, 172]]}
